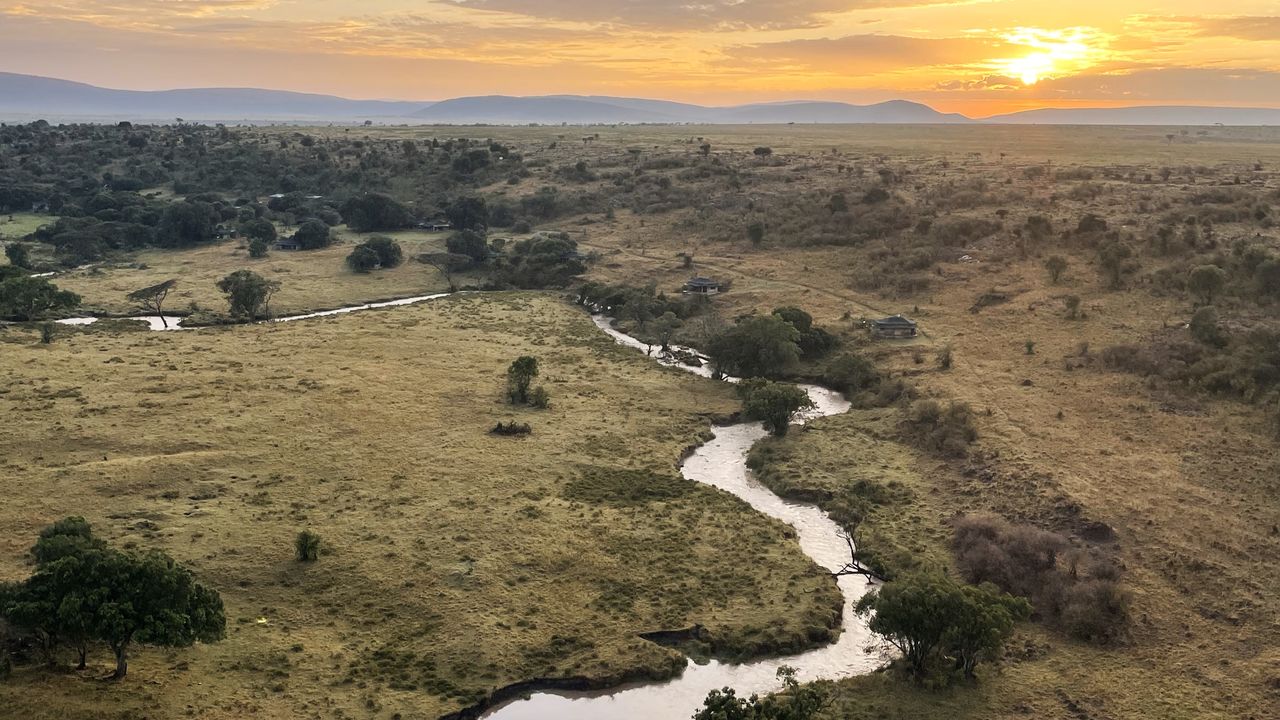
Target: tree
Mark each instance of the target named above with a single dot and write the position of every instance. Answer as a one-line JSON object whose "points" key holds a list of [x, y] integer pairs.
{"points": [[151, 600], [19, 255], [795, 702], [248, 293], [389, 251], [759, 346], [187, 223], [152, 298], [307, 546], [930, 619], [664, 327], [1206, 281], [774, 404], [362, 259], [755, 233], [468, 212], [313, 235], [375, 212], [838, 203], [24, 298], [259, 229], [762, 152], [850, 373], [258, 248], [469, 243], [519, 376], [1056, 265], [1204, 326], [1038, 227], [448, 264], [1115, 259], [83, 590]]}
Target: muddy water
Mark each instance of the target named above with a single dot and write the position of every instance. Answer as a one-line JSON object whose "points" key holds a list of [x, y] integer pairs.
{"points": [[721, 462]]}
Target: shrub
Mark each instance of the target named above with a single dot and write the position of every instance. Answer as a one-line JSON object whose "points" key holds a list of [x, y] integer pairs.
{"points": [[539, 398], [511, 428], [850, 374], [948, 430], [257, 248], [313, 235], [362, 259], [519, 376], [307, 546], [1056, 265], [1070, 590]]}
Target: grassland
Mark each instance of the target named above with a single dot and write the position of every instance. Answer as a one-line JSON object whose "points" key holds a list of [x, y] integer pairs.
{"points": [[310, 280], [457, 561], [1187, 482], [19, 225]]}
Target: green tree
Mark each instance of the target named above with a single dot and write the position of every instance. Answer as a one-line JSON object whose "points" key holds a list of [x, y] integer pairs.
{"points": [[759, 346], [469, 243], [1038, 227], [1116, 261], [259, 229], [24, 298], [258, 248], [755, 233], [850, 373], [313, 235], [932, 621], [519, 376], [248, 293], [1206, 281], [375, 212], [390, 254], [795, 702], [469, 212], [187, 223], [19, 255], [664, 327], [774, 404], [799, 319], [1056, 265], [152, 298], [362, 259], [1205, 328]]}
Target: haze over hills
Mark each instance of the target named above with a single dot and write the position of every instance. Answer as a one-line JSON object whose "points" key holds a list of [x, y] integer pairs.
{"points": [[26, 97]]}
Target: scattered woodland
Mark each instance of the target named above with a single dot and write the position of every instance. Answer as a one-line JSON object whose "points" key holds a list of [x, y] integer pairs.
{"points": [[1066, 483]]}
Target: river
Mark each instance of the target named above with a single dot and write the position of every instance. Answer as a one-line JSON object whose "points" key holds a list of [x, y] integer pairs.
{"points": [[722, 463]]}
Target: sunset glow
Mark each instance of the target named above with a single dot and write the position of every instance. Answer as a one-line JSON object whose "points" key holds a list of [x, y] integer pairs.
{"points": [[961, 56]]}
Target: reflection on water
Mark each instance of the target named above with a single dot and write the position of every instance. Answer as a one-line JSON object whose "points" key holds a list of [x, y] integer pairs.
{"points": [[721, 462]]}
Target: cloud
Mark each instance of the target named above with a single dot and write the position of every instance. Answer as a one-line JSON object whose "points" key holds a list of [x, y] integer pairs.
{"points": [[679, 15], [1244, 28], [1213, 86], [868, 53]]}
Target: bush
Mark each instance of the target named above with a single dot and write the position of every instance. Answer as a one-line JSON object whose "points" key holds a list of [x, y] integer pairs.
{"points": [[519, 376], [539, 398], [375, 212], [851, 374], [758, 346], [313, 235], [257, 248], [948, 430], [307, 546], [1077, 593]]}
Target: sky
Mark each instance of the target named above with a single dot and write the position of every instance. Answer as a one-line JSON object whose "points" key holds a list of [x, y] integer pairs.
{"points": [[979, 57]]}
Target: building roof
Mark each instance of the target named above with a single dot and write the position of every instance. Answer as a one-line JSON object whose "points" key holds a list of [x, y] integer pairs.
{"points": [[895, 321], [702, 282]]}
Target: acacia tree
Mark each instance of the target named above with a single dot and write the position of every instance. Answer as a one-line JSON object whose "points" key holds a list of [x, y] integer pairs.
{"points": [[519, 377], [153, 297], [247, 292]]}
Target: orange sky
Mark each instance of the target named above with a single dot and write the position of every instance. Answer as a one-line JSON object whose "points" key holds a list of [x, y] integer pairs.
{"points": [[979, 57]]}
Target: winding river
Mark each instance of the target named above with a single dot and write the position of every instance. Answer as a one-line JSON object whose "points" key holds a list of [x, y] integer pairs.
{"points": [[720, 462]]}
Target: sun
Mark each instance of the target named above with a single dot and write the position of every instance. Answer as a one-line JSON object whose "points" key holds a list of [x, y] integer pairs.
{"points": [[1053, 53]]}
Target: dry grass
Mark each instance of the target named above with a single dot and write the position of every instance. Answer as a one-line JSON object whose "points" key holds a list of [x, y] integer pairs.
{"points": [[456, 561], [310, 280]]}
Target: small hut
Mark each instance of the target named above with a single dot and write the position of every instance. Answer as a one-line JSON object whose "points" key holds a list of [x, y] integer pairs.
{"points": [[895, 326], [702, 286]]}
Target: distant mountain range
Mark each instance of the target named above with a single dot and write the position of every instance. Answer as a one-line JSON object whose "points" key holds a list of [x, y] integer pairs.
{"points": [[26, 97]]}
